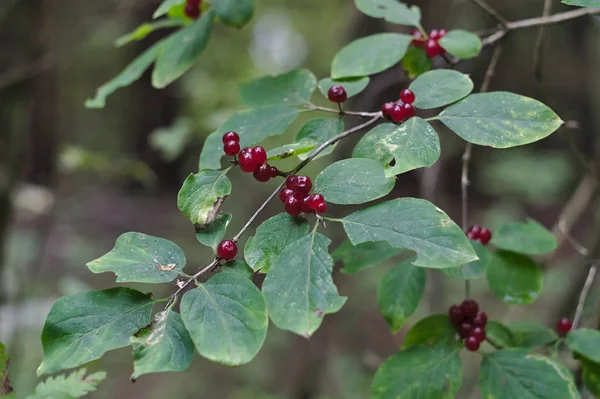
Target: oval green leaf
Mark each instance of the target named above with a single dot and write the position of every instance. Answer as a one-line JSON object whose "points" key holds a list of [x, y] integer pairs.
{"points": [[461, 44], [529, 238], [366, 147], [201, 195], [227, 318], [585, 342], [363, 256], [317, 131], [353, 86], [472, 269], [289, 151], [212, 234], [291, 88], [239, 267], [390, 10], [369, 55], [440, 87], [140, 258], [499, 335], [514, 278], [416, 62], [583, 3], [236, 13], [434, 330], [530, 335], [500, 119], [165, 6]]}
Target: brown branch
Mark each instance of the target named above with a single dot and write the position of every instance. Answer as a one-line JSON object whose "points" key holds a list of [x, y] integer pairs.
{"points": [[584, 293], [312, 107], [492, 11]]}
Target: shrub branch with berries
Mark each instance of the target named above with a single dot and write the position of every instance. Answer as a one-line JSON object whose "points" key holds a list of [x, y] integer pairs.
{"points": [[223, 315]]}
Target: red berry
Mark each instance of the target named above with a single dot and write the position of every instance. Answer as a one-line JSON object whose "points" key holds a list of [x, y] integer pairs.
{"points": [[472, 344], [306, 208], [262, 173], [456, 315], [322, 207], [230, 136], [286, 192], [473, 232], [464, 330], [443, 33], [194, 2], [192, 11], [409, 111], [479, 334], [397, 113], [485, 236], [290, 182], [407, 96], [337, 94], [418, 38], [231, 147], [259, 154], [314, 201], [227, 250], [432, 48], [303, 185], [564, 325], [435, 34], [247, 162], [274, 171], [386, 109], [293, 205], [480, 319], [469, 308]]}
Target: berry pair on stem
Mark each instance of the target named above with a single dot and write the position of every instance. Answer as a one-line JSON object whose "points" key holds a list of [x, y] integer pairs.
{"points": [[296, 198], [430, 43], [469, 322], [402, 109], [479, 234], [192, 9], [252, 159]]}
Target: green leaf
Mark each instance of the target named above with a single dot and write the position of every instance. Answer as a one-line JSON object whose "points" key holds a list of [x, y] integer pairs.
{"points": [[82, 327], [391, 10], [75, 385], [500, 119], [289, 151], [299, 288], [363, 256], [317, 131], [416, 62], [366, 147], [353, 86], [130, 74], [236, 13], [440, 87], [146, 28], [413, 224], [499, 335], [585, 342], [181, 51], [239, 267], [164, 345], [369, 55], [354, 181], [227, 318], [591, 376], [529, 238], [399, 293], [514, 278], [583, 3], [165, 6], [212, 235], [140, 258], [291, 88], [517, 373], [461, 44], [419, 372], [253, 126], [271, 239], [5, 386], [472, 269], [434, 330], [201, 195], [529, 335]]}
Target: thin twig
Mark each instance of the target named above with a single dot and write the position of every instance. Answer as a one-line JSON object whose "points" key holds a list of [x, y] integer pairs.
{"points": [[581, 250], [584, 293], [337, 111], [492, 11], [537, 52], [215, 262]]}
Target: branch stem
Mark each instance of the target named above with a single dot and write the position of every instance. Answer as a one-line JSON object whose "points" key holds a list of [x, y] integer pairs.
{"points": [[584, 293], [312, 107], [492, 11]]}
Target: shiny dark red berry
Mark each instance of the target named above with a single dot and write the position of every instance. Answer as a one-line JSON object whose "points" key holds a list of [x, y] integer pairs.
{"points": [[283, 194], [192, 11], [443, 33], [290, 182], [306, 208], [407, 96], [227, 250], [397, 113], [432, 48], [473, 232], [274, 171], [464, 329], [303, 184], [418, 38], [456, 315], [469, 308], [480, 319], [246, 160], [293, 205], [231, 147], [409, 111], [479, 334], [435, 34], [472, 344], [262, 173], [322, 208], [386, 109], [314, 201], [337, 94], [230, 136], [259, 154], [485, 236], [564, 325]]}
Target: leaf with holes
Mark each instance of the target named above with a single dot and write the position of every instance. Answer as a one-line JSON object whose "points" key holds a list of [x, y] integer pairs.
{"points": [[317, 131], [529, 238], [440, 87], [353, 86], [461, 44], [472, 269], [212, 235], [390, 10], [291, 88], [363, 256], [201, 195], [529, 335], [434, 330], [585, 342], [140, 258], [514, 278]]}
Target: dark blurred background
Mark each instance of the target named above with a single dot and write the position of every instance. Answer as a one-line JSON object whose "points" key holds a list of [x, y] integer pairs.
{"points": [[72, 179]]}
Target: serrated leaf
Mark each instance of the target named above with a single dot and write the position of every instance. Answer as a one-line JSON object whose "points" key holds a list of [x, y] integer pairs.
{"points": [[529, 335], [201, 194], [500, 119], [413, 224], [130, 74], [253, 126], [271, 239], [369, 55], [585, 342], [461, 44], [181, 50], [440, 87], [472, 269], [212, 235], [299, 288], [416, 62], [291, 88], [500, 335], [583, 3], [236, 13], [146, 28], [363, 256], [165, 6], [399, 293], [82, 327], [514, 278], [354, 181], [434, 330], [530, 238], [141, 258], [165, 345], [517, 373], [353, 86], [317, 131], [75, 385], [239, 267], [289, 151], [390, 10], [590, 374], [227, 318], [419, 372]]}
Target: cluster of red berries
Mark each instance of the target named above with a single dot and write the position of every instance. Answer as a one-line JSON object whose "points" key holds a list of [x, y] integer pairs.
{"points": [[400, 110], [252, 159], [337, 94], [480, 234], [431, 43], [192, 8], [469, 323], [564, 325], [296, 198]]}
